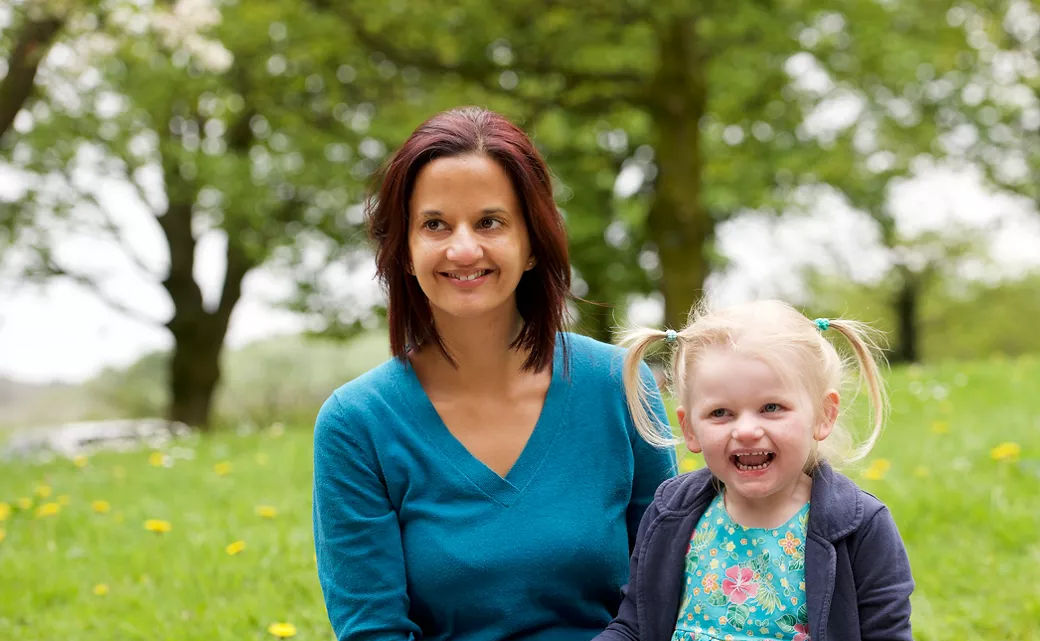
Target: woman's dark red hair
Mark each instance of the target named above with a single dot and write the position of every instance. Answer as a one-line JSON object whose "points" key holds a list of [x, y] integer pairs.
{"points": [[542, 291]]}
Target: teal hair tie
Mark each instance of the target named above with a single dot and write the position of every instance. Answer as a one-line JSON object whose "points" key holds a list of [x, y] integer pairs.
{"points": [[671, 336], [822, 324]]}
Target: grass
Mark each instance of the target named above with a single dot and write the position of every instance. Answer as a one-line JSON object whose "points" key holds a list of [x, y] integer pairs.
{"points": [[970, 523]]}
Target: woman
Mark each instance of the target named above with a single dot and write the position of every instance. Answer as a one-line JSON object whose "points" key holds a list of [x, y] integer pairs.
{"points": [[486, 482]]}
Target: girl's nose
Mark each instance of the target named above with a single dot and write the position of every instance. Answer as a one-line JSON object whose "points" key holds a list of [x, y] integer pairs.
{"points": [[747, 429], [464, 247]]}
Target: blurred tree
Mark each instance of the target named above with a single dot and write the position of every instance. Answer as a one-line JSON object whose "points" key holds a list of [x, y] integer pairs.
{"points": [[30, 29], [239, 124], [996, 121], [688, 100], [900, 80]]}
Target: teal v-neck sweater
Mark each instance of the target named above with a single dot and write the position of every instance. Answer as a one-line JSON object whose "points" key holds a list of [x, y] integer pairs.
{"points": [[417, 539]]}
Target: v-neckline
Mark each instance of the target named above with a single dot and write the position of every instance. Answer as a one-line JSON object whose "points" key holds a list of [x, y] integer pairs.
{"points": [[502, 489]]}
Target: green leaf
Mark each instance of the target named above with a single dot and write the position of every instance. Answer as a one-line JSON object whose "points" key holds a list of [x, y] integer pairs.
{"points": [[717, 598], [737, 614], [767, 597], [786, 623]]}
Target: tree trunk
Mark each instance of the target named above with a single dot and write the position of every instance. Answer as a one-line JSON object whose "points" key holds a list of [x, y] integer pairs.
{"points": [[678, 223], [194, 367], [905, 304], [31, 47], [198, 333]]}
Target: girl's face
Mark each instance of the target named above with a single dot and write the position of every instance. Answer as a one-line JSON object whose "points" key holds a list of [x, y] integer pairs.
{"points": [[755, 429], [467, 238]]}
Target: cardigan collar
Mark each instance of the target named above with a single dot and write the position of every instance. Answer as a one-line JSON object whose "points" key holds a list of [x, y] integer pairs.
{"points": [[837, 502]]}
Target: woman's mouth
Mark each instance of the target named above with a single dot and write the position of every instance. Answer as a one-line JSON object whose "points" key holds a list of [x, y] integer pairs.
{"points": [[467, 276], [751, 461]]}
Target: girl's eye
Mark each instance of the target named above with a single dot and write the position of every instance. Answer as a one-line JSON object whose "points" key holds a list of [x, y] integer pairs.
{"points": [[771, 407], [489, 223], [717, 413]]}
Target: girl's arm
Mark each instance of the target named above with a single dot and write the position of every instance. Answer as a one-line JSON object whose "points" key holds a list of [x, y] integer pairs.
{"points": [[357, 537], [883, 580]]}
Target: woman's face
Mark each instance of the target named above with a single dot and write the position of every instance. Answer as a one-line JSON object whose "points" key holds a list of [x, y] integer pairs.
{"points": [[467, 238]]}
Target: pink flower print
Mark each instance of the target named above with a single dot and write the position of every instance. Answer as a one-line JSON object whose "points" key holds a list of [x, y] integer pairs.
{"points": [[738, 585], [802, 630]]}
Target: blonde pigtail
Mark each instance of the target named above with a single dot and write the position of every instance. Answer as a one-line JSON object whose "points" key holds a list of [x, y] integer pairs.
{"points": [[867, 352], [636, 391]]}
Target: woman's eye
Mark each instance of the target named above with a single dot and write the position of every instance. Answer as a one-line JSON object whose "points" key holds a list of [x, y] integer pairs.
{"points": [[771, 407], [489, 223], [433, 225]]}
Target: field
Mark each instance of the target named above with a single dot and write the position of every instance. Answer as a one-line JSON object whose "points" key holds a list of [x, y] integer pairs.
{"points": [[209, 537]]}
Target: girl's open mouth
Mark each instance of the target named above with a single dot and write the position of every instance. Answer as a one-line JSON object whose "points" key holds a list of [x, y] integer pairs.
{"points": [[751, 461]]}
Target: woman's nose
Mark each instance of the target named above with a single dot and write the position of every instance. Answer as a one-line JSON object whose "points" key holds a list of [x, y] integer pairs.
{"points": [[464, 247]]}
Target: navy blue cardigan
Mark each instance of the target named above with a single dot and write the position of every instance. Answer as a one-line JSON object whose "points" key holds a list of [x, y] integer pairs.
{"points": [[857, 576]]}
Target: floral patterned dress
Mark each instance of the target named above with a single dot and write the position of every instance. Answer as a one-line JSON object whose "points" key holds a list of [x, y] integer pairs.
{"points": [[744, 584]]}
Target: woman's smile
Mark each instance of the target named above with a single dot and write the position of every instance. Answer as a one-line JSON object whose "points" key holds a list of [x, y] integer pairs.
{"points": [[467, 240]]}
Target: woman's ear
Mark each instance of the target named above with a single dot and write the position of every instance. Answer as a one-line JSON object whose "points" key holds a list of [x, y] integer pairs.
{"points": [[689, 437], [831, 405]]}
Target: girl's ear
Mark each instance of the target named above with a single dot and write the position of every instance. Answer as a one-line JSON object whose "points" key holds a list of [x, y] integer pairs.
{"points": [[692, 443], [831, 404]]}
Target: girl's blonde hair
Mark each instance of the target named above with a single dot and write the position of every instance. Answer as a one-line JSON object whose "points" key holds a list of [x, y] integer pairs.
{"points": [[787, 341]]}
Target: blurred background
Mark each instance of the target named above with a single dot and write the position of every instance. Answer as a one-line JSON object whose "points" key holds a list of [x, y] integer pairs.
{"points": [[182, 188], [180, 179]]}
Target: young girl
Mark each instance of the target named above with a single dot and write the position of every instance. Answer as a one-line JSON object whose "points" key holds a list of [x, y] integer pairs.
{"points": [[767, 542]]}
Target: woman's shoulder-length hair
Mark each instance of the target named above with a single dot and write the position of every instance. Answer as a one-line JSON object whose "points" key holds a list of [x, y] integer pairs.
{"points": [[542, 291]]}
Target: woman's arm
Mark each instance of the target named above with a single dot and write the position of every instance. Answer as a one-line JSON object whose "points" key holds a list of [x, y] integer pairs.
{"points": [[357, 536]]}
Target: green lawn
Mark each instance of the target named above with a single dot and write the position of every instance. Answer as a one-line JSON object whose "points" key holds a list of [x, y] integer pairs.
{"points": [[970, 522]]}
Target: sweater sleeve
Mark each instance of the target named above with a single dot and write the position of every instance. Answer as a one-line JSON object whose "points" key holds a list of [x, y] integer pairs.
{"points": [[625, 626], [883, 580], [357, 535], [653, 465]]}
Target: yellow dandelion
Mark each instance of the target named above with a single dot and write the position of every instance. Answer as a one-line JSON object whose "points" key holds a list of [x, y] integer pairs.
{"points": [[235, 547], [282, 630], [157, 525], [100, 506], [64, 499], [47, 509], [266, 511], [79, 461], [223, 468], [687, 464], [24, 503], [5, 510], [43, 491], [101, 589], [156, 459], [1007, 451], [940, 427], [877, 470]]}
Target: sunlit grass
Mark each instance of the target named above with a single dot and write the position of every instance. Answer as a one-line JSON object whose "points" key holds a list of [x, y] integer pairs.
{"points": [[209, 538]]}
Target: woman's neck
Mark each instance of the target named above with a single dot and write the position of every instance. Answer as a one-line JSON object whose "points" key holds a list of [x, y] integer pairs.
{"points": [[480, 350]]}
